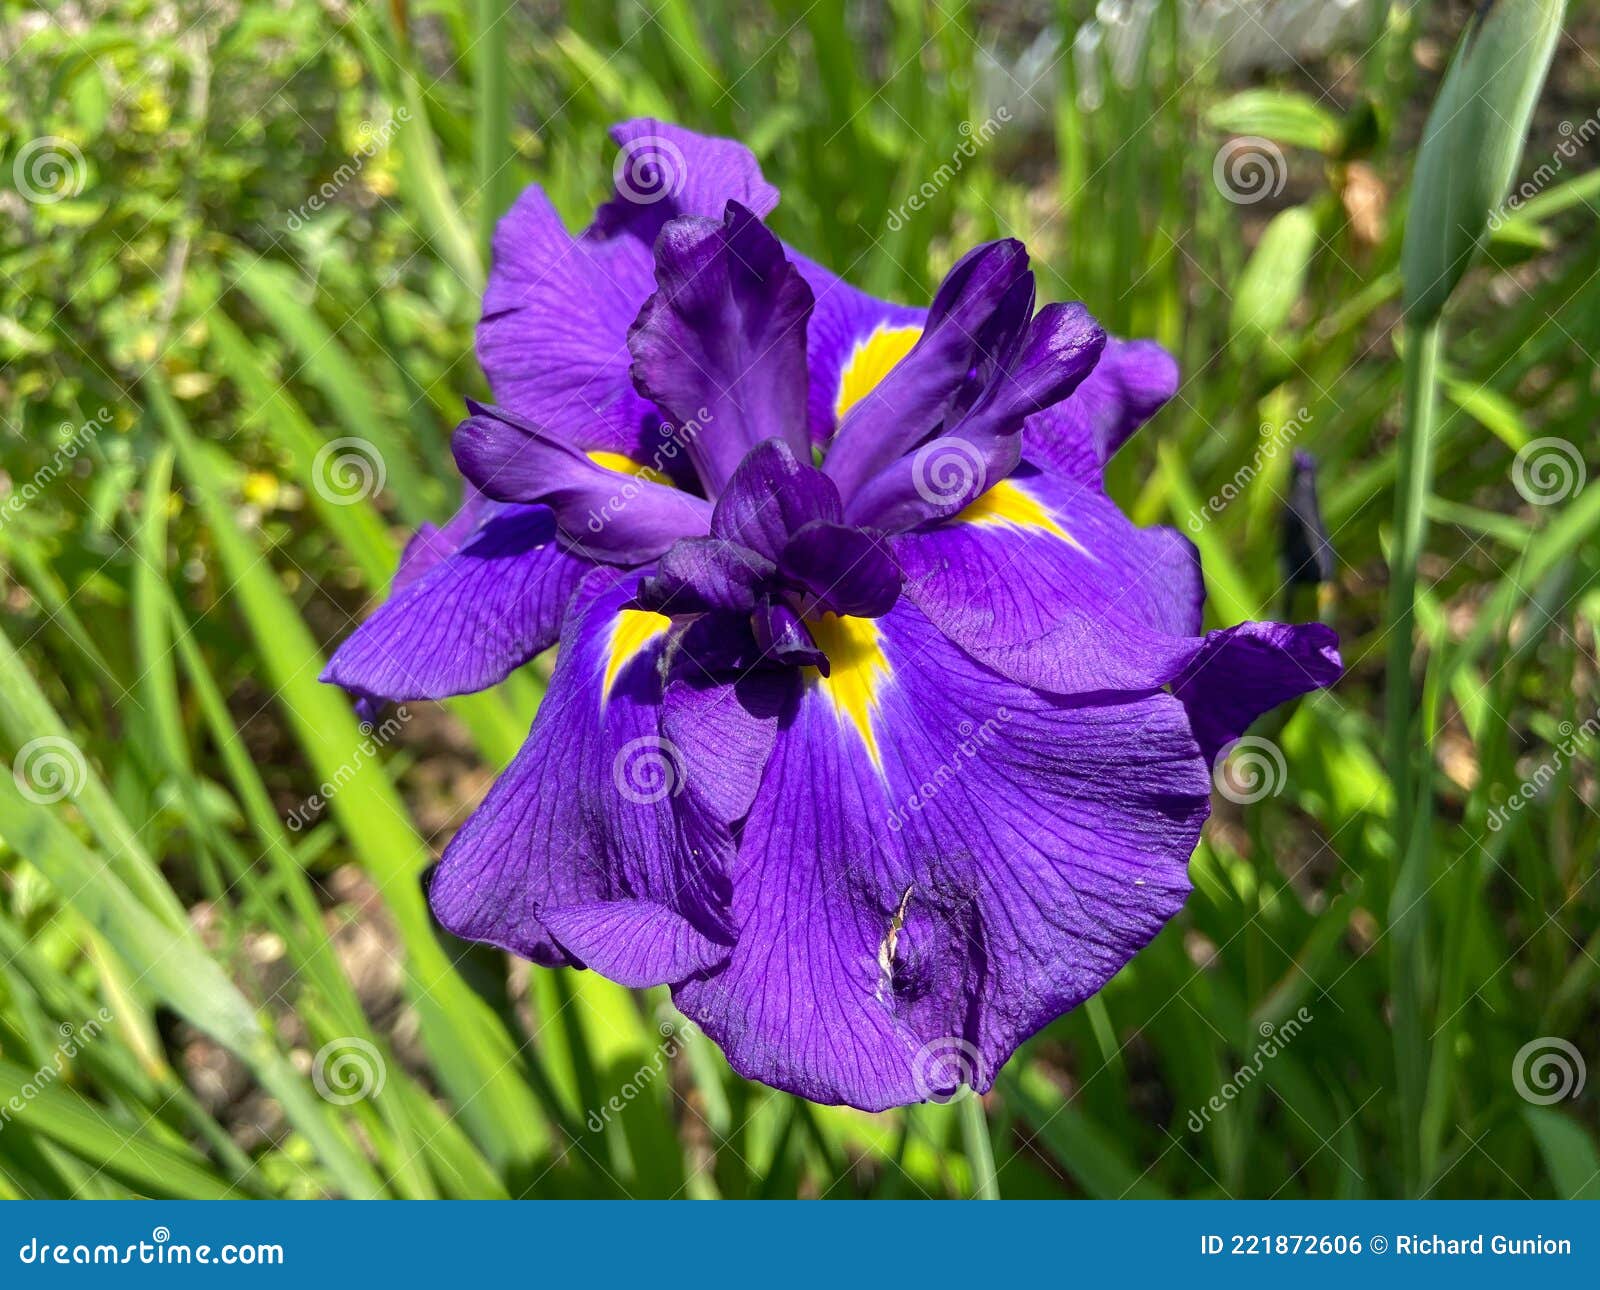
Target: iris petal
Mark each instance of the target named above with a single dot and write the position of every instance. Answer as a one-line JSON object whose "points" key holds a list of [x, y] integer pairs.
{"points": [[463, 619], [587, 812], [1010, 855], [722, 343]]}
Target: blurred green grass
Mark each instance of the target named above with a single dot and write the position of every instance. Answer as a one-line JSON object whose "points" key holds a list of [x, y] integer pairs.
{"points": [[266, 232]]}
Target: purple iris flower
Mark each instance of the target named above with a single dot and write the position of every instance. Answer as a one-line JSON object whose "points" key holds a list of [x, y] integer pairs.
{"points": [[876, 730]]}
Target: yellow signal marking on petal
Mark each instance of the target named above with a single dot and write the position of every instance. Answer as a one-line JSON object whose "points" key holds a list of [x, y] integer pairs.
{"points": [[627, 466], [633, 630], [871, 361], [1009, 503], [857, 669]]}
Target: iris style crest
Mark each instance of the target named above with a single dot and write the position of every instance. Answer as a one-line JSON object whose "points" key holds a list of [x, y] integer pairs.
{"points": [[875, 727]]}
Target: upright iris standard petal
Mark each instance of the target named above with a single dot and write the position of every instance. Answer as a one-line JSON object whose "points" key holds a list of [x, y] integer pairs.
{"points": [[981, 443], [910, 402], [770, 497], [566, 368], [722, 343], [464, 619], [841, 569], [706, 575], [982, 858]]}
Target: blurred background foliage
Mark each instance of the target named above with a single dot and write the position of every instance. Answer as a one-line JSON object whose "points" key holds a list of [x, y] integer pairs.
{"points": [[234, 232]]}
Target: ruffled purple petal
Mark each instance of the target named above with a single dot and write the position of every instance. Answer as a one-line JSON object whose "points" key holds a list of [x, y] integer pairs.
{"points": [[1053, 587], [988, 286], [1078, 436], [561, 365], [1000, 859], [722, 343], [605, 515], [556, 313], [663, 171], [1241, 672], [844, 570], [636, 943], [463, 615], [587, 813], [770, 497], [700, 575]]}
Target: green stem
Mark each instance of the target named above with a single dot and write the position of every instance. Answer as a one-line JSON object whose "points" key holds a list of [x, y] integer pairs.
{"points": [[1413, 483], [980, 1153], [494, 119], [1406, 740]]}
